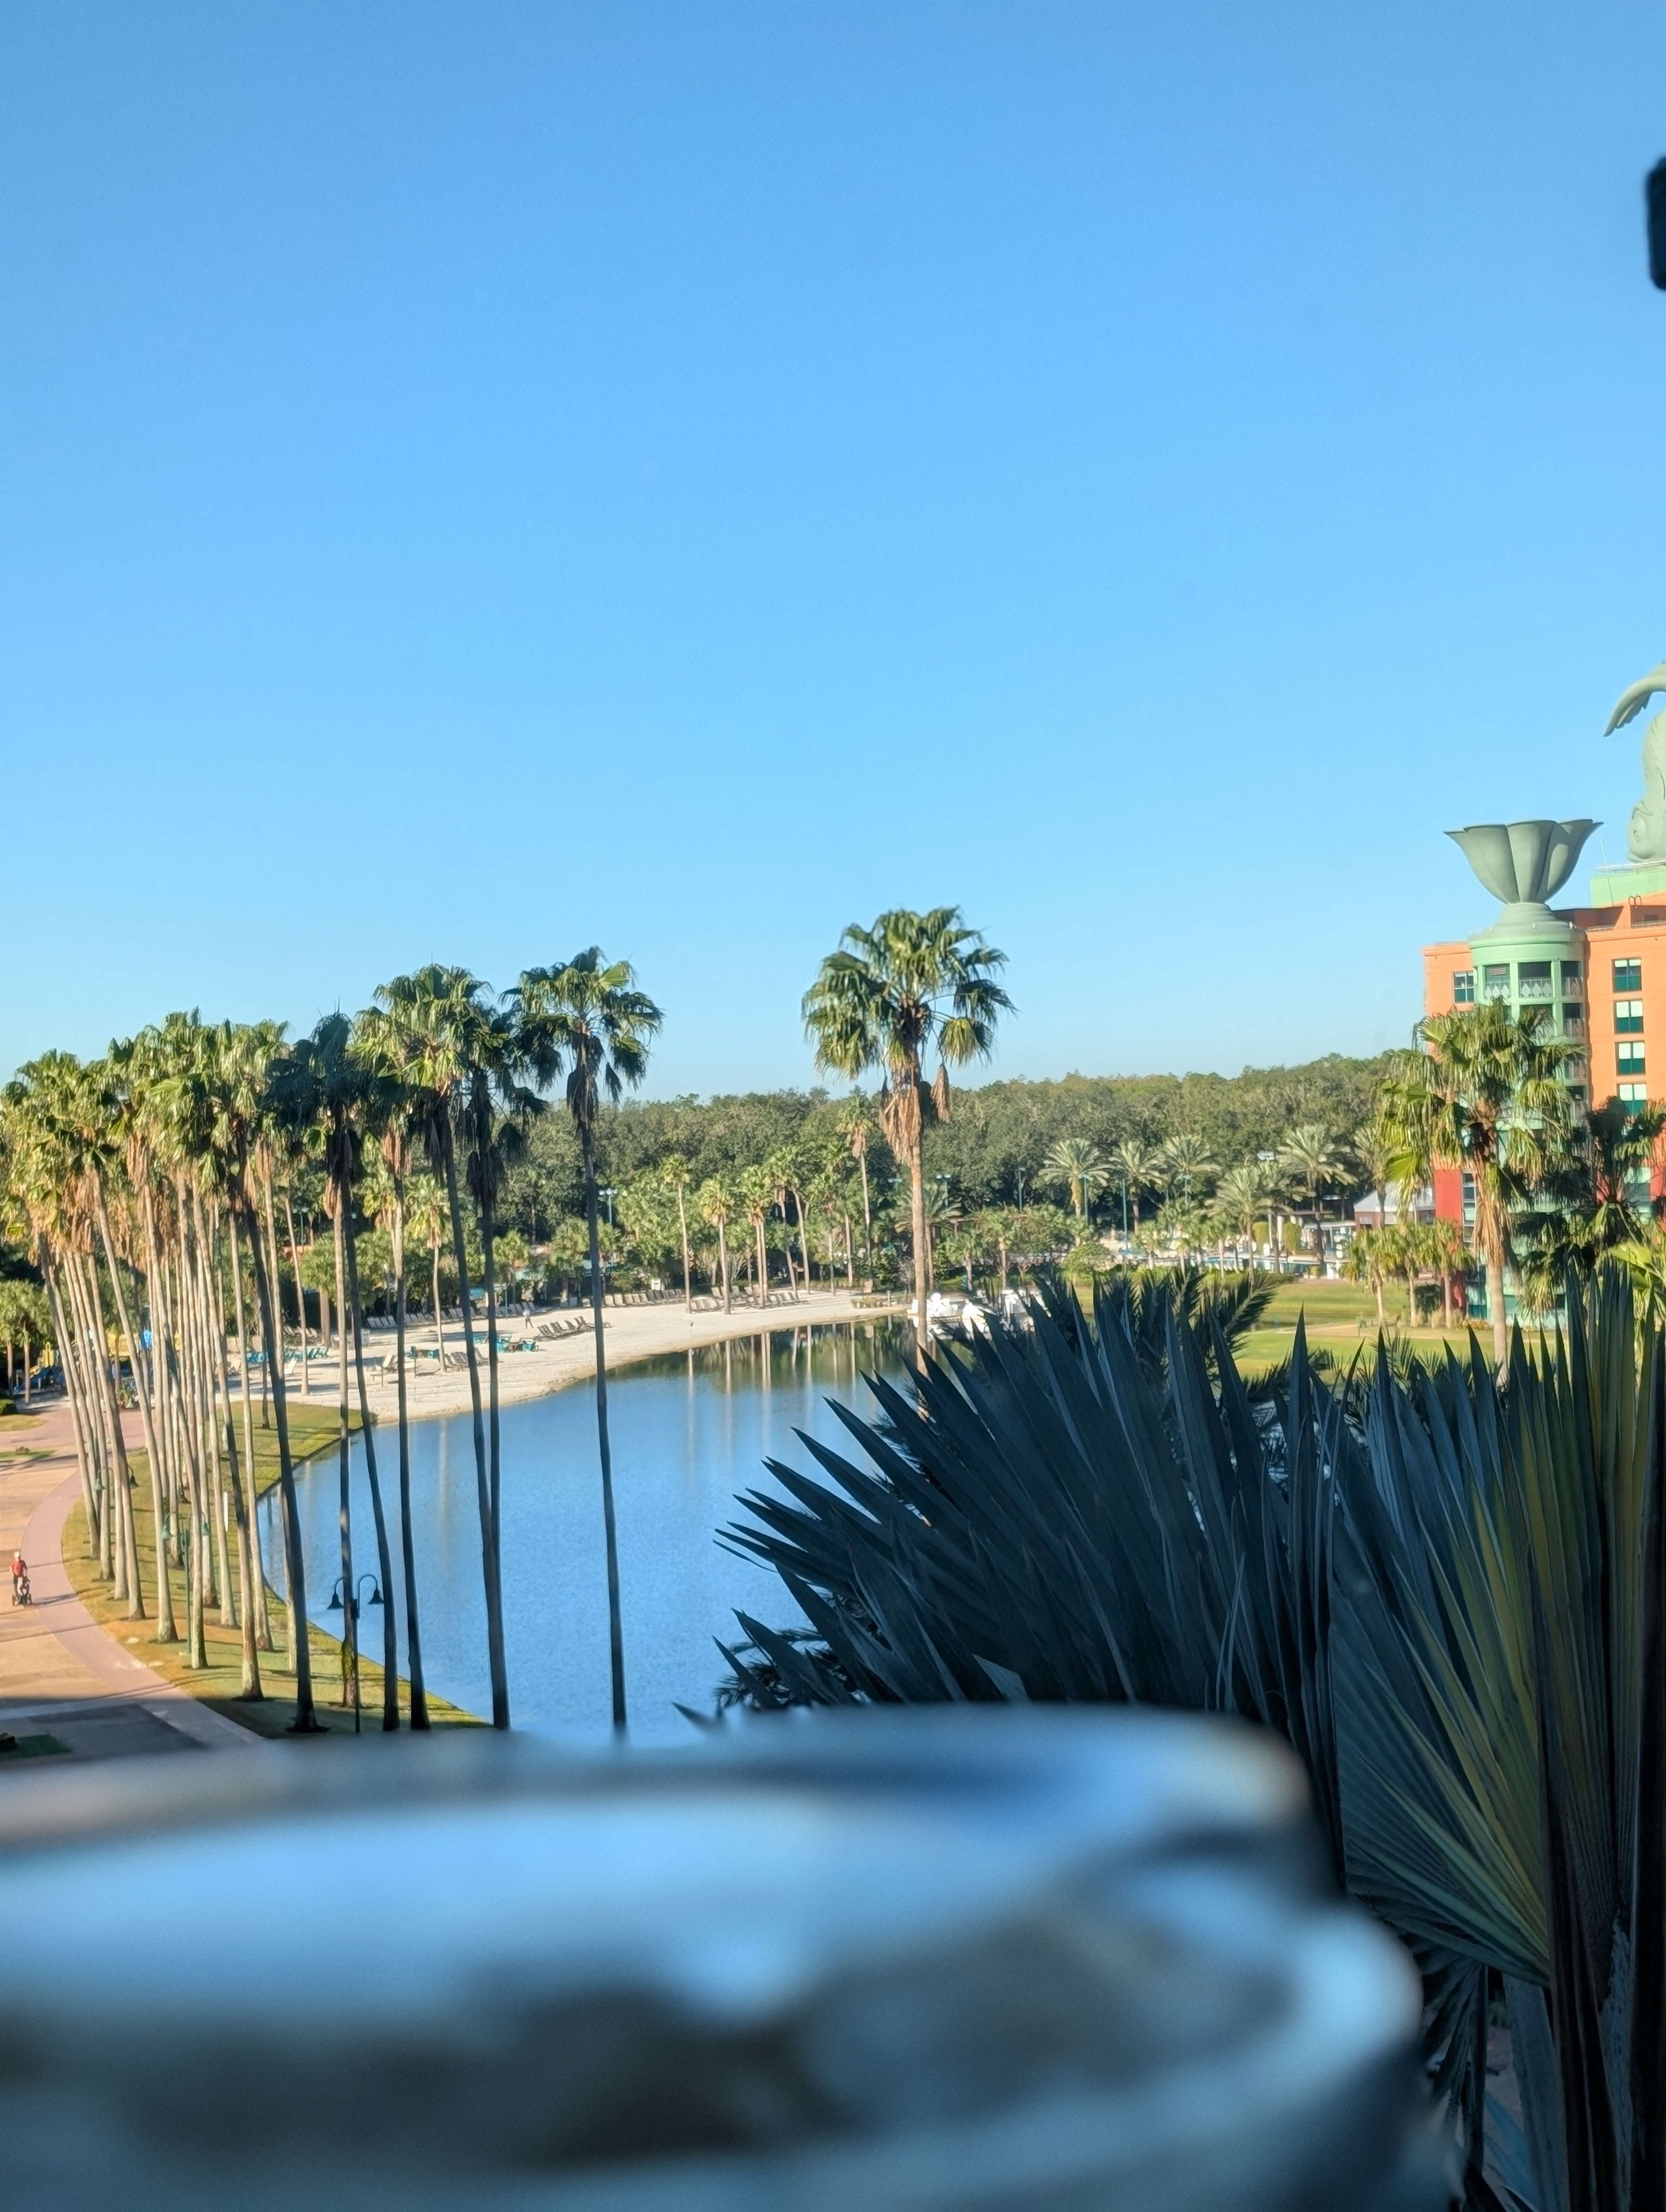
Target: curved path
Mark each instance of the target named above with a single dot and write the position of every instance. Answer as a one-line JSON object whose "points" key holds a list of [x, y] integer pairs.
{"points": [[62, 1674]]}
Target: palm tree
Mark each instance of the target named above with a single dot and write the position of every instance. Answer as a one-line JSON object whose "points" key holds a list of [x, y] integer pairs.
{"points": [[756, 1189], [1182, 1159], [1310, 1159], [675, 1174], [1483, 1091], [222, 1104], [855, 1126], [385, 1190], [322, 1084], [425, 1220], [433, 1030], [589, 1018], [715, 1201], [1242, 1195], [1077, 1162], [1373, 1149], [1370, 1258], [889, 997], [1137, 1169], [942, 1212]]}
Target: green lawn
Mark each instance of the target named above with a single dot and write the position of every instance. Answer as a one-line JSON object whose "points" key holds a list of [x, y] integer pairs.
{"points": [[1342, 1318]]}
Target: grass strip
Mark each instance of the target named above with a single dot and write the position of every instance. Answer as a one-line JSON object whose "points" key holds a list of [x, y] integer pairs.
{"points": [[312, 1431]]}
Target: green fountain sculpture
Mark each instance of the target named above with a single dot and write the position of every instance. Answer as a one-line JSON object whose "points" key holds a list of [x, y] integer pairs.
{"points": [[1646, 834], [1529, 956]]}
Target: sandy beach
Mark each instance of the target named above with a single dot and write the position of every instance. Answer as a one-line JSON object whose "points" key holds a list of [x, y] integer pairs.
{"points": [[631, 1333]]}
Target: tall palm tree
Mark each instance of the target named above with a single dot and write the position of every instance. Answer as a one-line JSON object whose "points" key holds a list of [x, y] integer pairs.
{"points": [[716, 1203], [222, 1092], [1242, 1193], [1373, 1149], [1184, 1159], [323, 1084], [433, 1030], [755, 1187], [494, 1083], [1483, 1091], [1077, 1162], [588, 1019], [1136, 1168], [1312, 1161], [425, 1220], [856, 1125], [890, 996]]}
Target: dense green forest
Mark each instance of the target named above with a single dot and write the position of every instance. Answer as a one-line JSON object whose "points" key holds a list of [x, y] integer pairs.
{"points": [[991, 1148]]}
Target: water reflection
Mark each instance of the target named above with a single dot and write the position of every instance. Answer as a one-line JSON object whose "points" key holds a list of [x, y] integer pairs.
{"points": [[689, 1430]]}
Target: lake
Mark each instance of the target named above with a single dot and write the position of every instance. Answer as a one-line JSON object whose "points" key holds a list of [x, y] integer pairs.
{"points": [[689, 1432]]}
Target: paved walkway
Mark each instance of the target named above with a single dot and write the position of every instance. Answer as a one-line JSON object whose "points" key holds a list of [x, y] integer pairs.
{"points": [[61, 1674]]}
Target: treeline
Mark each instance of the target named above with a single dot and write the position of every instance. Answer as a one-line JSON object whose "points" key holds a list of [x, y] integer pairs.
{"points": [[993, 1149]]}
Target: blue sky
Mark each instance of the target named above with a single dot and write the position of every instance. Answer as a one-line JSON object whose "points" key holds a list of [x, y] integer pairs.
{"points": [[480, 480]]}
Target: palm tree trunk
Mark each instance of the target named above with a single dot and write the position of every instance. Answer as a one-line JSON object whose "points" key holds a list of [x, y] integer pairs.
{"points": [[804, 1242], [615, 1618], [173, 1398], [262, 1624], [294, 1570], [98, 1414], [156, 1431], [384, 1557], [127, 1583], [494, 1449], [439, 1320], [723, 1261], [135, 1610], [867, 1224], [300, 1288], [349, 1624], [849, 1260], [72, 1392], [251, 1688], [407, 1543], [917, 1204], [488, 1563], [214, 1309], [683, 1224], [1490, 1236]]}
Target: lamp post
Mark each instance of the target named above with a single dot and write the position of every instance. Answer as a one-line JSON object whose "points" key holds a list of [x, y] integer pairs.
{"points": [[351, 1641]]}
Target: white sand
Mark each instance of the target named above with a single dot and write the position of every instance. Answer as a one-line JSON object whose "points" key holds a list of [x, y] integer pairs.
{"points": [[630, 1332]]}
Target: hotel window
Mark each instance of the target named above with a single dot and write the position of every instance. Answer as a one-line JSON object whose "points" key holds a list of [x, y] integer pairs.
{"points": [[1628, 974], [1630, 1059], [1634, 1097], [1628, 1017], [1469, 1201], [1573, 1021], [1533, 980], [1463, 986], [1495, 981], [1576, 1091], [1573, 979]]}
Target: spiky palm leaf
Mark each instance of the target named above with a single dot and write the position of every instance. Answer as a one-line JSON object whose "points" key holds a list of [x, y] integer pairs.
{"points": [[1448, 1593]]}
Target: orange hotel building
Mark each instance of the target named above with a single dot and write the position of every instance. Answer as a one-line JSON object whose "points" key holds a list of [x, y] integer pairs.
{"points": [[1603, 983]]}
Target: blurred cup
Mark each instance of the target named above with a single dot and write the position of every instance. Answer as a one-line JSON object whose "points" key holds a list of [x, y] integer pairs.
{"points": [[926, 1958]]}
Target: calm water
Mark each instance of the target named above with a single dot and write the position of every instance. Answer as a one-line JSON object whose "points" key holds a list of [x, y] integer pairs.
{"points": [[689, 1432]]}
